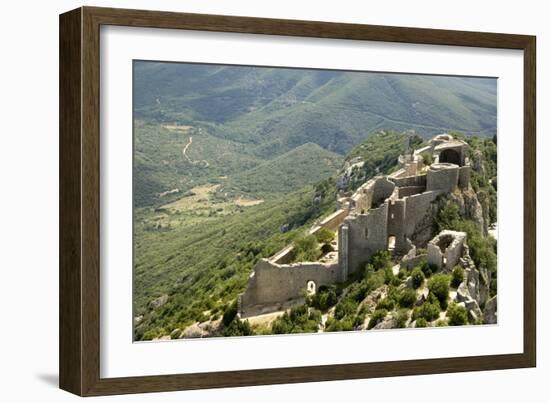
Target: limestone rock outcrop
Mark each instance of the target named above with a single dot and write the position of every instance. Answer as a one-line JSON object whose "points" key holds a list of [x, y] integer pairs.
{"points": [[490, 311], [158, 302]]}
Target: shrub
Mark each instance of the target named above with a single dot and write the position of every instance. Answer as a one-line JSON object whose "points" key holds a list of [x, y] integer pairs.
{"points": [[457, 276], [403, 274], [381, 260], [306, 249], [406, 298], [421, 322], [441, 323], [299, 320], [324, 299], [457, 315], [358, 291], [375, 280], [359, 320], [401, 318], [417, 277], [344, 308], [389, 277], [427, 269], [230, 313], [439, 286], [377, 317], [427, 157], [429, 311], [334, 325], [386, 304], [238, 328], [324, 235]]}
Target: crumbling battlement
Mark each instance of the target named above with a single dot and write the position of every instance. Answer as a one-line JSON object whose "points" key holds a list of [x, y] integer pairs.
{"points": [[389, 210], [271, 285]]}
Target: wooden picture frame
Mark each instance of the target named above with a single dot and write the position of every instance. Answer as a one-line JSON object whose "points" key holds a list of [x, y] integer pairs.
{"points": [[79, 346]]}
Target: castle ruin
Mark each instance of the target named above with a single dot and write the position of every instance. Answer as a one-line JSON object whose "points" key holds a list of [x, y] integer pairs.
{"points": [[392, 212]]}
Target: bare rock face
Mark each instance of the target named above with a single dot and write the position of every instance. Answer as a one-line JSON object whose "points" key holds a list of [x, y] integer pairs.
{"points": [[387, 323], [477, 161], [490, 311], [471, 208], [484, 282], [474, 313], [158, 302], [462, 293], [484, 201], [422, 296], [194, 332], [175, 334], [373, 298]]}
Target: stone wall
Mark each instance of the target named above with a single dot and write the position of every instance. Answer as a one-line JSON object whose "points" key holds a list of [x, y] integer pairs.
{"points": [[442, 176], [396, 221], [273, 284], [333, 221], [417, 180], [418, 220], [410, 190], [383, 188], [464, 176], [366, 234], [445, 250], [362, 198]]}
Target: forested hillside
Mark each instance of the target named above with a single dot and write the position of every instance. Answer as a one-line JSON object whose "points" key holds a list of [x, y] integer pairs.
{"points": [[240, 117]]}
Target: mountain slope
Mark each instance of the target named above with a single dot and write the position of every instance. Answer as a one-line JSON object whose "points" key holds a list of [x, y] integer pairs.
{"points": [[304, 165], [277, 109]]}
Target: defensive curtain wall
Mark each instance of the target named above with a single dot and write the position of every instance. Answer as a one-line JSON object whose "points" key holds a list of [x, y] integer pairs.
{"points": [[385, 212]]}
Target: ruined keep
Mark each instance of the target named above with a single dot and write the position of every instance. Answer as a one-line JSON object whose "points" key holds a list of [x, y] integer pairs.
{"points": [[392, 212], [445, 250]]}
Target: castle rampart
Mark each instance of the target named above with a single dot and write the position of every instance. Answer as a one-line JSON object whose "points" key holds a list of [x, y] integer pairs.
{"points": [[394, 211]]}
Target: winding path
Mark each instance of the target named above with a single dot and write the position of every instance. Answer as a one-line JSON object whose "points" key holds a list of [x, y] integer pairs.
{"points": [[184, 152]]}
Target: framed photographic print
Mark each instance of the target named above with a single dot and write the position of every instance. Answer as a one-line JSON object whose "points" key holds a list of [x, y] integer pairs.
{"points": [[249, 201]]}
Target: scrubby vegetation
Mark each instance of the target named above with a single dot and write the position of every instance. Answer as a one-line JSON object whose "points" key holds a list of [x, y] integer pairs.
{"points": [[457, 276], [324, 298], [417, 277], [300, 319], [439, 288], [457, 315]]}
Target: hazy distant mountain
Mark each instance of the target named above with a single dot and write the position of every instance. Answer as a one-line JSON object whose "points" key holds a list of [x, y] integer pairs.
{"points": [[278, 109], [242, 119]]}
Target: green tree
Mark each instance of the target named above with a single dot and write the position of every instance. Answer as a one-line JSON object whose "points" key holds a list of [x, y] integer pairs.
{"points": [[428, 311], [438, 285], [421, 322], [401, 318], [406, 298], [457, 315], [229, 313], [324, 235], [238, 327], [417, 277], [457, 276], [377, 317]]}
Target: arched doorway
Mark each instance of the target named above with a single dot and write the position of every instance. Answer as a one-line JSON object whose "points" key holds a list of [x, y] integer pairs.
{"points": [[311, 287], [451, 156]]}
